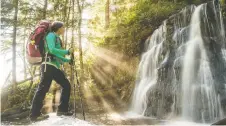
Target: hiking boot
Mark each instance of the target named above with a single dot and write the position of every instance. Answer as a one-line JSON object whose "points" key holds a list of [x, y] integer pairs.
{"points": [[64, 113], [39, 118]]}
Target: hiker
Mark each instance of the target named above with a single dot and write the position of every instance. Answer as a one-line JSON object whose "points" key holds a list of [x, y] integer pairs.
{"points": [[50, 70]]}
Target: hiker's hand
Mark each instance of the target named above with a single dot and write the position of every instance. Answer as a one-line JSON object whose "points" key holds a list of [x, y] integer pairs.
{"points": [[71, 50]]}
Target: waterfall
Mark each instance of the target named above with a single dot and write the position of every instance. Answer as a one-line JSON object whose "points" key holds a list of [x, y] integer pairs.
{"points": [[199, 97], [182, 71], [147, 69]]}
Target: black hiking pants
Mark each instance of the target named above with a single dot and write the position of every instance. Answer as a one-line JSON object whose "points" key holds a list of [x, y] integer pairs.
{"points": [[52, 73]]}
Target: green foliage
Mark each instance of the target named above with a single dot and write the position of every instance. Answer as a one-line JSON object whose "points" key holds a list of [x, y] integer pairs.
{"points": [[130, 27], [18, 98]]}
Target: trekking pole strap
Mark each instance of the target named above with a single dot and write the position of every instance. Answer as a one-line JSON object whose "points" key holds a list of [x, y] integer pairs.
{"points": [[45, 60]]}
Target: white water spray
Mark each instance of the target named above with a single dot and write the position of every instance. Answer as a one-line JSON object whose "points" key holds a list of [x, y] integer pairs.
{"points": [[148, 70]]}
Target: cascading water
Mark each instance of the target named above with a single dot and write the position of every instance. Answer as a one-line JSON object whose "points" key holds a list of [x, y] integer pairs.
{"points": [[199, 99], [224, 53], [147, 69], [183, 70]]}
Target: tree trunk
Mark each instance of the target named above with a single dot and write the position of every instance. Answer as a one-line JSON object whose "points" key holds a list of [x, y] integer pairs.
{"points": [[67, 24], [72, 39], [44, 10], [64, 20], [24, 54], [116, 12], [107, 14], [80, 37], [72, 44], [14, 46]]}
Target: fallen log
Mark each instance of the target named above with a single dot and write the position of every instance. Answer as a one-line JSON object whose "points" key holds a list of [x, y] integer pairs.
{"points": [[13, 111], [17, 116]]}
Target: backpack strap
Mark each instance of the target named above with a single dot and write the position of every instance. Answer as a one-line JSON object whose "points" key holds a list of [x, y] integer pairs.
{"points": [[46, 53], [45, 60]]}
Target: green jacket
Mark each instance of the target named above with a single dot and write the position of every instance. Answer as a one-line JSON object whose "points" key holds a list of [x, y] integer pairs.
{"points": [[53, 47]]}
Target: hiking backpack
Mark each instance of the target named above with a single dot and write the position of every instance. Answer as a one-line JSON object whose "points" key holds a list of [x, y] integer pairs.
{"points": [[35, 45]]}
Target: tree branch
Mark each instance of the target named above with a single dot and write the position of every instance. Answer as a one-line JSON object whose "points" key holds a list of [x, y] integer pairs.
{"points": [[30, 78]]}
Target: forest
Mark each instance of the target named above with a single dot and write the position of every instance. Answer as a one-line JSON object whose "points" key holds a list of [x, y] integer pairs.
{"points": [[109, 38]]}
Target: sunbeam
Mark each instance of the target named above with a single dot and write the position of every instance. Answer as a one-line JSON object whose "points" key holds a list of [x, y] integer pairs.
{"points": [[120, 61]]}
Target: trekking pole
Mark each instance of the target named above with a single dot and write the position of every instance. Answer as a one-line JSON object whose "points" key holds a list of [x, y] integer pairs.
{"points": [[76, 74]]}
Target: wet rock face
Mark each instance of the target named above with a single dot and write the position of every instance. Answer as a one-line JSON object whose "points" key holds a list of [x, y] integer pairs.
{"points": [[214, 38], [166, 56], [167, 90]]}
